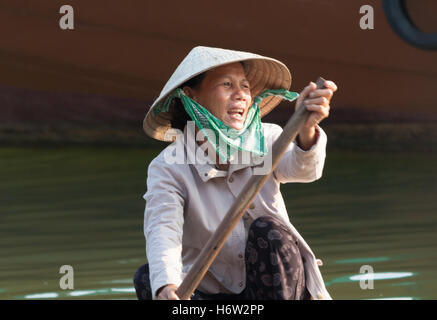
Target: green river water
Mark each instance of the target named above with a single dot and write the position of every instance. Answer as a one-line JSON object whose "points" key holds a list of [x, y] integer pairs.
{"points": [[82, 206]]}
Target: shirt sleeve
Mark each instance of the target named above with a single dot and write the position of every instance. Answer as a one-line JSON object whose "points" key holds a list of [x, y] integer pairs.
{"points": [[163, 224], [297, 165]]}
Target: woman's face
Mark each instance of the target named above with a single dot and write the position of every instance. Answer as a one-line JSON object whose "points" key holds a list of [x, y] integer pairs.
{"points": [[225, 92]]}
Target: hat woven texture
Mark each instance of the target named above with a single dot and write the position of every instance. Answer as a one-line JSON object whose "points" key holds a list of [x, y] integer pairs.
{"points": [[261, 72]]}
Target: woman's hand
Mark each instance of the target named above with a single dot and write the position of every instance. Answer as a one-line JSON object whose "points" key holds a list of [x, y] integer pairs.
{"points": [[317, 101], [168, 292]]}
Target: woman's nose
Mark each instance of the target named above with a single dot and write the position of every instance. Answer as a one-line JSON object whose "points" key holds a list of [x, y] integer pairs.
{"points": [[240, 94]]}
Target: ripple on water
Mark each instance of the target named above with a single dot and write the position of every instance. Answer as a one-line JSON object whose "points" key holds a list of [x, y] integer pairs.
{"points": [[77, 293]]}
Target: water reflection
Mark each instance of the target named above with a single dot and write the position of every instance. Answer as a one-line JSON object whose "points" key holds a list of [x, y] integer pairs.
{"points": [[402, 284], [362, 260], [395, 298], [82, 293], [83, 207], [117, 281], [380, 276], [41, 295], [370, 276], [78, 293]]}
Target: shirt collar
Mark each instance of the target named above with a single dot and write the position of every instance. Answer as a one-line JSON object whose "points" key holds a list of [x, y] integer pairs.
{"points": [[205, 166]]}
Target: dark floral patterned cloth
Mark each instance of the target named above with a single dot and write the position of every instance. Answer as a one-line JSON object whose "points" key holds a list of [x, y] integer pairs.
{"points": [[274, 267]]}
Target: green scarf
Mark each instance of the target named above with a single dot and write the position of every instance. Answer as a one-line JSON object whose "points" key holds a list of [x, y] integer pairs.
{"points": [[226, 140]]}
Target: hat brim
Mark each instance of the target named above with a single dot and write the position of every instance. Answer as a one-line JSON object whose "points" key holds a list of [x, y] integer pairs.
{"points": [[262, 73]]}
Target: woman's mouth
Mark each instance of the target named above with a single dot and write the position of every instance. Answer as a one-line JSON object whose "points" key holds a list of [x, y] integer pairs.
{"points": [[236, 113]]}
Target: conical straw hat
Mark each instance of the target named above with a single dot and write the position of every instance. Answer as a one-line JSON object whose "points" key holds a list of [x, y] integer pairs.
{"points": [[261, 72]]}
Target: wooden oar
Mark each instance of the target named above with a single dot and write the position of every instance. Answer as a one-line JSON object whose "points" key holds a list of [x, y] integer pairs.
{"points": [[244, 199]]}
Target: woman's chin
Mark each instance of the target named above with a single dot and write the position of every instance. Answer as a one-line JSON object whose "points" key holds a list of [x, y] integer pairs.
{"points": [[235, 124]]}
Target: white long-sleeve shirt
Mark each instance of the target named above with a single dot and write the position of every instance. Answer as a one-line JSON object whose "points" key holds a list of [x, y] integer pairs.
{"points": [[186, 201]]}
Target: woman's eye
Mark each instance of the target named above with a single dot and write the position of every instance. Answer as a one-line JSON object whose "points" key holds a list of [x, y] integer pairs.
{"points": [[227, 84]]}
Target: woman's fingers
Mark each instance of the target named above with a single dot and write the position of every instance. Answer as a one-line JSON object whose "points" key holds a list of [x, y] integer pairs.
{"points": [[310, 87], [322, 110], [168, 293], [331, 85], [327, 93], [304, 93], [173, 296], [319, 100], [318, 113], [310, 95]]}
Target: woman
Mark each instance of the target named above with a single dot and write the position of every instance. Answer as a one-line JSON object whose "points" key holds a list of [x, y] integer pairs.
{"points": [[226, 93]]}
